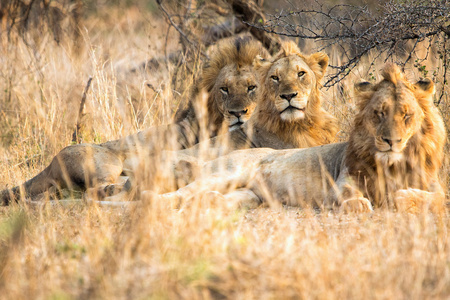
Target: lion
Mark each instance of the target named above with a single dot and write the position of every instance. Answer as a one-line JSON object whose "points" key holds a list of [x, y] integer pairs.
{"points": [[232, 91], [391, 160], [288, 115]]}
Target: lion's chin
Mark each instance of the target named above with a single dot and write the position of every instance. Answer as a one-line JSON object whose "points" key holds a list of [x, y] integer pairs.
{"points": [[291, 114], [236, 123], [235, 126], [388, 158]]}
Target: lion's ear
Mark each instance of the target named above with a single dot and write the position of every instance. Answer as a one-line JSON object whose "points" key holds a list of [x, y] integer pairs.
{"points": [[363, 92], [261, 65], [424, 90], [363, 86], [425, 85], [258, 61], [318, 62]]}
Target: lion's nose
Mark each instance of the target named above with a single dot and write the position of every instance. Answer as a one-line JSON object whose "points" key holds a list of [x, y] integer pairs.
{"points": [[288, 97], [390, 142], [238, 114]]}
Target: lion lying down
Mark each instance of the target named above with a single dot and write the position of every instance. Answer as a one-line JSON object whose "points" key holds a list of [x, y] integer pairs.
{"points": [[87, 165], [289, 114], [391, 159]]}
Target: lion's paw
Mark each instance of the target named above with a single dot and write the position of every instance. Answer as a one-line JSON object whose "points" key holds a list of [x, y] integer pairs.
{"points": [[356, 205], [411, 200]]}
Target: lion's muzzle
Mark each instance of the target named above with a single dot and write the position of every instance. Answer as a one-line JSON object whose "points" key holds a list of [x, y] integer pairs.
{"points": [[288, 97], [291, 107], [237, 118], [385, 144]]}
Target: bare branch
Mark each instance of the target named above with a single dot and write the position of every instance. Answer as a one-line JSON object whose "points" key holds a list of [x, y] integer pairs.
{"points": [[249, 12], [357, 31], [223, 30], [76, 138], [177, 28]]}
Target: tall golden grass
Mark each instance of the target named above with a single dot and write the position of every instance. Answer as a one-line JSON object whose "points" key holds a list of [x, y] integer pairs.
{"points": [[204, 250]]}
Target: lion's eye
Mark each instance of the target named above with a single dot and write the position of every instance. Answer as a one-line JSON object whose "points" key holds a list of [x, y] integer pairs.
{"points": [[275, 78], [301, 73], [224, 89], [406, 117], [251, 87]]}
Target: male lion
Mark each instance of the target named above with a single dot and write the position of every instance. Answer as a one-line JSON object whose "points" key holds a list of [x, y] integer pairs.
{"points": [[229, 69], [391, 159], [289, 114]]}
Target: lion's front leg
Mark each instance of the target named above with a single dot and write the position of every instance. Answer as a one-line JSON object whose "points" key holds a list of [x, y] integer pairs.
{"points": [[242, 198], [347, 196], [172, 199], [416, 200], [181, 199], [213, 185]]}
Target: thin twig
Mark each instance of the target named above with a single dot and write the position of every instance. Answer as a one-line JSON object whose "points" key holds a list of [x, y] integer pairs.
{"points": [[446, 59], [75, 136], [177, 28]]}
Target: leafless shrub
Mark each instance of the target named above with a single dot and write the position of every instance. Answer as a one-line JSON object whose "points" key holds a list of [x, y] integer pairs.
{"points": [[397, 30], [55, 17], [200, 23]]}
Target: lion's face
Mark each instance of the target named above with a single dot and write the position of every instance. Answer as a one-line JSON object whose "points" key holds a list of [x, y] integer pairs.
{"points": [[290, 82], [393, 115], [236, 91]]}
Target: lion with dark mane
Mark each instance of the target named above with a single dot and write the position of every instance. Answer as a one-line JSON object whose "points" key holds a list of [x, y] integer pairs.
{"points": [[86, 165], [392, 158]]}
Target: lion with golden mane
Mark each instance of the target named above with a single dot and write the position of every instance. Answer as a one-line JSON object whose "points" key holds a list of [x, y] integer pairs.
{"points": [[392, 158], [85, 165]]}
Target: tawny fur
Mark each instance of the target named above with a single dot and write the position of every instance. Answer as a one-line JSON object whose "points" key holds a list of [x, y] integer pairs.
{"points": [[236, 55], [87, 165], [392, 158], [266, 128], [423, 153]]}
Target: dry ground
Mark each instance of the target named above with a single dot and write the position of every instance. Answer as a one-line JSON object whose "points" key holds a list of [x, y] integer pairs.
{"points": [[206, 250]]}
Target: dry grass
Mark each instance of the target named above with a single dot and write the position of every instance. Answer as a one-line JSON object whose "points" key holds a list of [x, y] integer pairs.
{"points": [[206, 250], [210, 251]]}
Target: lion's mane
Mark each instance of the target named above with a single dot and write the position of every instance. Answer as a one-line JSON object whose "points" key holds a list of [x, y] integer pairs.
{"points": [[424, 150], [318, 127], [236, 52]]}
